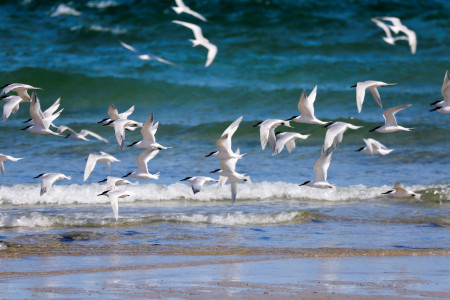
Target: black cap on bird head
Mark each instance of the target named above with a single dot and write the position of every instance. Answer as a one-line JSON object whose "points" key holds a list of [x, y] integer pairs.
{"points": [[371, 130], [257, 124], [104, 193], [132, 144], [127, 175], [328, 124], [354, 85], [187, 178], [360, 149], [304, 183], [38, 175], [216, 170], [25, 128], [104, 180], [291, 118]]}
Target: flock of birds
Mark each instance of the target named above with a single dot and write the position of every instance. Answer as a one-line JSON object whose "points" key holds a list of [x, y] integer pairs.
{"points": [[41, 122]]}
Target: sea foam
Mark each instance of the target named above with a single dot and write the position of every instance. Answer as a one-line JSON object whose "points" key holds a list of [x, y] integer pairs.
{"points": [[64, 9]]}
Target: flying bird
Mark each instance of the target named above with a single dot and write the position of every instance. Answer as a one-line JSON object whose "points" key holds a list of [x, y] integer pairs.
{"points": [[148, 132], [372, 86], [390, 122], [119, 129], [397, 27], [41, 123], [335, 134], [232, 178], [3, 158], [306, 108], [388, 38], [287, 139], [92, 160], [114, 198], [267, 131], [142, 165], [443, 106], [80, 136], [145, 56], [320, 172], [197, 182], [113, 182], [182, 8], [200, 40], [48, 179], [223, 144], [19, 88], [114, 114], [11, 105], [374, 147]]}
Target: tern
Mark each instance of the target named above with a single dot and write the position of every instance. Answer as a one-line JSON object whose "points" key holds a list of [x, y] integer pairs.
{"points": [[320, 172], [390, 121], [142, 167], [182, 8], [80, 136], [144, 56], [397, 27], [287, 139], [444, 105], [92, 160], [3, 158], [11, 105], [148, 132], [374, 147], [114, 114], [119, 129], [19, 88], [48, 179], [232, 178], [388, 38], [114, 197], [40, 123], [112, 182], [267, 131], [197, 182], [49, 112], [335, 134], [200, 40], [306, 108], [224, 142], [372, 86], [399, 191]]}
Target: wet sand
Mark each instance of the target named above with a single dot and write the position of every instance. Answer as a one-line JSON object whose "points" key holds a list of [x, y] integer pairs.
{"points": [[180, 276]]}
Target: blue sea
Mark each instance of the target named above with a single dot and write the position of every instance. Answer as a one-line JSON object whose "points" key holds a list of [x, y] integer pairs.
{"points": [[268, 52]]}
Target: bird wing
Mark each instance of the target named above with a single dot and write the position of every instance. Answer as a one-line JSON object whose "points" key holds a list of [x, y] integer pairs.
{"points": [[376, 95], [412, 39], [10, 106], [180, 3], [113, 113], [290, 145], [147, 131], [47, 182], [233, 127], [389, 114], [306, 103], [376, 144], [86, 132], [129, 47], [334, 136], [383, 26], [360, 93], [46, 122], [114, 204], [321, 167], [35, 110], [119, 130], [228, 164], [143, 159], [445, 90], [51, 110], [2, 168], [212, 51], [222, 180], [197, 184], [63, 128], [264, 131], [195, 14], [368, 143], [195, 29], [90, 165], [126, 113], [233, 191]]}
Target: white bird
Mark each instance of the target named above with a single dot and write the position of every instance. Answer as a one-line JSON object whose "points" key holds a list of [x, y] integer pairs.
{"points": [[48, 179], [49, 112], [390, 122], [372, 86], [148, 132], [444, 105], [3, 158], [182, 8], [142, 167], [200, 40], [92, 160], [374, 147], [397, 27], [114, 198], [19, 88], [267, 131], [11, 105], [119, 129], [40, 123], [145, 56], [320, 172], [232, 178], [80, 136], [197, 182], [399, 191], [223, 144], [287, 139], [388, 38], [112, 182], [114, 114], [306, 108], [335, 134]]}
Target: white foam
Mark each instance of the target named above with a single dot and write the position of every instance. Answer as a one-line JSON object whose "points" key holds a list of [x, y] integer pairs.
{"points": [[64, 9], [101, 4], [87, 194]]}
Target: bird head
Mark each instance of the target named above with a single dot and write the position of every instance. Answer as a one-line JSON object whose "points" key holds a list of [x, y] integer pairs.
{"points": [[304, 183], [187, 178]]}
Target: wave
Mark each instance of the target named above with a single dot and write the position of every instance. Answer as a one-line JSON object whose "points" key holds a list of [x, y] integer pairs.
{"points": [[28, 194]]}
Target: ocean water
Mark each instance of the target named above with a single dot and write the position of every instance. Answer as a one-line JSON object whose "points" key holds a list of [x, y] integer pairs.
{"points": [[268, 51]]}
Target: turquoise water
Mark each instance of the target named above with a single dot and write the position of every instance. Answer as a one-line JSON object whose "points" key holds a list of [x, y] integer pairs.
{"points": [[268, 52]]}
